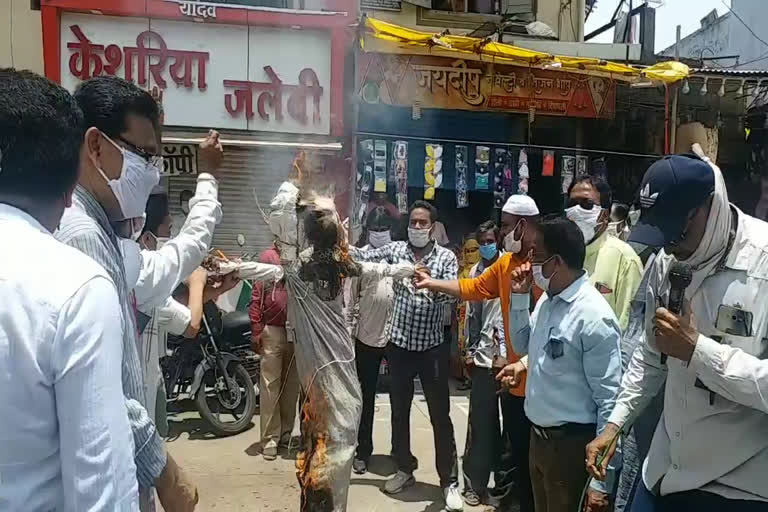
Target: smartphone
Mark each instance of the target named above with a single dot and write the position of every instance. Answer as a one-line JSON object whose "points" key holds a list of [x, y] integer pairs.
{"points": [[734, 321]]}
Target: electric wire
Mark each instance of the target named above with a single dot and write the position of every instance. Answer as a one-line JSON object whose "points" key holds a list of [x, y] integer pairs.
{"points": [[744, 23]]}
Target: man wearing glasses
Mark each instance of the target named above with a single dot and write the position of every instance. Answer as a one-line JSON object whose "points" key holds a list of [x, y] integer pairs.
{"points": [[119, 166], [613, 266], [574, 367]]}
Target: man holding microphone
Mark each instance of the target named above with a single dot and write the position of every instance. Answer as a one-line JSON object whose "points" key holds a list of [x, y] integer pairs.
{"points": [[710, 450]]}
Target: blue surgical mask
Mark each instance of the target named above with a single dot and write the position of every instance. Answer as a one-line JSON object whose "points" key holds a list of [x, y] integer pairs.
{"points": [[488, 252]]}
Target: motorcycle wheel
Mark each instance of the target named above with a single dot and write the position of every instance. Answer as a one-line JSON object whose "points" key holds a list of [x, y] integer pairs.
{"points": [[213, 404]]}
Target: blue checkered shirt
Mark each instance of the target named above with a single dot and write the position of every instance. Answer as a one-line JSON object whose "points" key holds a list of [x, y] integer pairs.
{"points": [[417, 315]]}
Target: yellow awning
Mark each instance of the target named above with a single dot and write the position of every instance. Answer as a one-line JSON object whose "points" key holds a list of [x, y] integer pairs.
{"points": [[666, 72]]}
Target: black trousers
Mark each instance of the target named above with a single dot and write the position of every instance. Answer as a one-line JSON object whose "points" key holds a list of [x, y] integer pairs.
{"points": [[432, 367], [482, 450], [368, 361], [513, 467]]}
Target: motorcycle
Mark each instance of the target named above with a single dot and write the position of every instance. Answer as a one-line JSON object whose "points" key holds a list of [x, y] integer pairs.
{"points": [[218, 370]]}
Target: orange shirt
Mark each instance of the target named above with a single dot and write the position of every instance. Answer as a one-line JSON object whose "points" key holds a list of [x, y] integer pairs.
{"points": [[495, 283]]}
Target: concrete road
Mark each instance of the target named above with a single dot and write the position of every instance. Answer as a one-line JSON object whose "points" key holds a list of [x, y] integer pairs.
{"points": [[231, 475]]}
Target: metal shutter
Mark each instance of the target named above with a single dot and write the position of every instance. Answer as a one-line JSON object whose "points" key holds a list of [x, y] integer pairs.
{"points": [[244, 171]]}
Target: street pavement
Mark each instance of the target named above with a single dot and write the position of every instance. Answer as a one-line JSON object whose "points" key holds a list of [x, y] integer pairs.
{"points": [[231, 474]]}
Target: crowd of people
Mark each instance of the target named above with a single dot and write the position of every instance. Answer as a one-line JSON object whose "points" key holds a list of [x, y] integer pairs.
{"points": [[588, 388]]}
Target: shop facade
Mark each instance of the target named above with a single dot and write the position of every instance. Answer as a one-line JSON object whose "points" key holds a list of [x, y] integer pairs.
{"points": [[467, 133], [270, 80]]}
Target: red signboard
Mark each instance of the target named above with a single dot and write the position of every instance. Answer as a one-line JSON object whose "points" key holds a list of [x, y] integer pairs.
{"points": [[439, 82]]}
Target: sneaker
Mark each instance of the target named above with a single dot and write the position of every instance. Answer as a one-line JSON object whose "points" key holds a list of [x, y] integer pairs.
{"points": [[270, 450], [399, 482], [286, 441], [359, 466], [453, 501], [471, 497]]}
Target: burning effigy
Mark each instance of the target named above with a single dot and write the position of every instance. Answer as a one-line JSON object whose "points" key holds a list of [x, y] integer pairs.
{"points": [[313, 247]]}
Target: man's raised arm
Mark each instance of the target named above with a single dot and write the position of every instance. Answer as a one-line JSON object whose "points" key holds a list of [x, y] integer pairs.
{"points": [[483, 287]]}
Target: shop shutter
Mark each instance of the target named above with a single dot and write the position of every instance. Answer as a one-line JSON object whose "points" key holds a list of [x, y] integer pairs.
{"points": [[244, 171]]}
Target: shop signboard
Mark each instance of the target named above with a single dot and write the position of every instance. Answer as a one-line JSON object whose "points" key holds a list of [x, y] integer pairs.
{"points": [[439, 82], [226, 76], [382, 5], [179, 160], [207, 8]]}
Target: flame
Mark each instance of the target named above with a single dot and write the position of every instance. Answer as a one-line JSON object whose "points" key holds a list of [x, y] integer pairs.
{"points": [[312, 460]]}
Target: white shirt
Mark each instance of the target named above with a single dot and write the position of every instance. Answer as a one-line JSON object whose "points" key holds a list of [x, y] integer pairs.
{"points": [[374, 297], [163, 270], [489, 344], [65, 440], [720, 447]]}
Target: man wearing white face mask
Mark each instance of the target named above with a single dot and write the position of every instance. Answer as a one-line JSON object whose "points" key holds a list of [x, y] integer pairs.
{"points": [[169, 261], [164, 264], [417, 347], [572, 342], [370, 307], [613, 266], [519, 217], [119, 167]]}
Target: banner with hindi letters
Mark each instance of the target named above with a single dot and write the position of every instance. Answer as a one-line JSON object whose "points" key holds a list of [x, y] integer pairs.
{"points": [[212, 74], [179, 160], [440, 82]]}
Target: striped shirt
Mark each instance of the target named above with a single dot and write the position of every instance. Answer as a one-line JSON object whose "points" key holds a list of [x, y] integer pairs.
{"points": [[85, 227], [417, 315]]}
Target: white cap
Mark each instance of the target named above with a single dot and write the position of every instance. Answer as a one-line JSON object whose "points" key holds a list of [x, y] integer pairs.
{"points": [[520, 205]]}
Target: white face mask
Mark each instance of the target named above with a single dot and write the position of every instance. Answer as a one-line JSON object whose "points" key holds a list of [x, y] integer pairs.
{"points": [[418, 237], [131, 261], [379, 238], [137, 179], [538, 276], [585, 219], [159, 240], [510, 243]]}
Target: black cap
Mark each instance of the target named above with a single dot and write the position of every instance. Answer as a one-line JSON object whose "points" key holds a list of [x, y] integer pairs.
{"points": [[671, 188]]}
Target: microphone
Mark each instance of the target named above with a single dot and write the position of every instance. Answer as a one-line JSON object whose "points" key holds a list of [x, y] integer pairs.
{"points": [[680, 275]]}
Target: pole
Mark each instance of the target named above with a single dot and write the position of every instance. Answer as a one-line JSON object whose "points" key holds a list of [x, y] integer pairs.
{"points": [[666, 119], [675, 99]]}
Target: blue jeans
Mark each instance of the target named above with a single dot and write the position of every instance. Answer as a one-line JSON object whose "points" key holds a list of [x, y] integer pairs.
{"points": [[698, 501], [643, 500]]}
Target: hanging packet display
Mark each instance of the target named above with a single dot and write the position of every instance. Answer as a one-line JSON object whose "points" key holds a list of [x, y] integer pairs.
{"points": [[364, 179], [433, 170], [462, 198], [582, 166], [380, 166], [400, 171], [548, 166], [482, 170], [508, 178], [499, 164], [522, 173], [567, 172]]}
